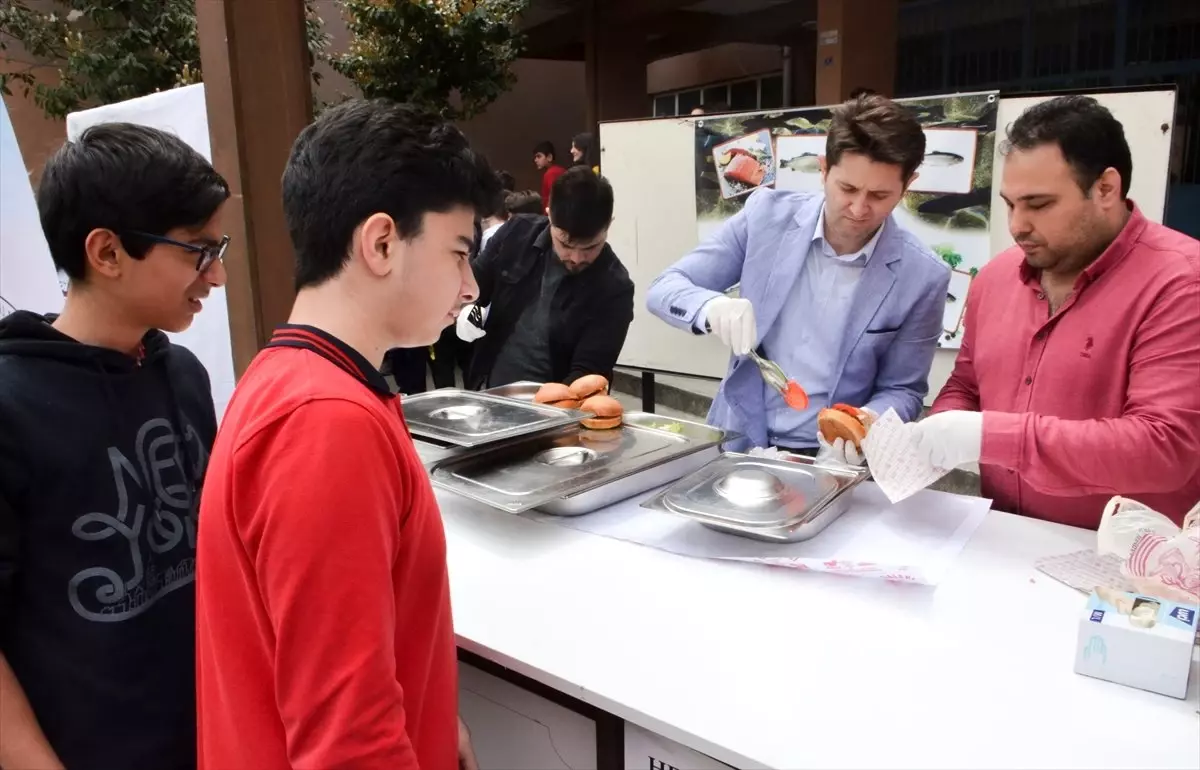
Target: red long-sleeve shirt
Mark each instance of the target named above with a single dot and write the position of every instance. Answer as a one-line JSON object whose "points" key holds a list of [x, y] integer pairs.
{"points": [[552, 173], [324, 636], [1102, 399]]}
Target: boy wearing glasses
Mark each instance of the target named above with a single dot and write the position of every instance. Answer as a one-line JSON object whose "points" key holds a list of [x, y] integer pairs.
{"points": [[105, 432]]}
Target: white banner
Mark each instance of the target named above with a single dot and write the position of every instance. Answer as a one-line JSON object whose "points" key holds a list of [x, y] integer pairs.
{"points": [[28, 280]]}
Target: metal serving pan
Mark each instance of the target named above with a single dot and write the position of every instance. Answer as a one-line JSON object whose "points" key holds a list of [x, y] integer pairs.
{"points": [[522, 391], [570, 474], [781, 500], [469, 419]]}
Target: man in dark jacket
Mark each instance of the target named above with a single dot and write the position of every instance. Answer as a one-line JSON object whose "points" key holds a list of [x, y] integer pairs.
{"points": [[555, 303], [105, 432]]}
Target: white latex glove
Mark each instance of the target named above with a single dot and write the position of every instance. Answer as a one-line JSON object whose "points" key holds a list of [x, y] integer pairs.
{"points": [[840, 452], [465, 327], [768, 452], [732, 320], [950, 439]]}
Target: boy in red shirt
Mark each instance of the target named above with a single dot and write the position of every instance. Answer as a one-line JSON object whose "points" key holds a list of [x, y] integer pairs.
{"points": [[543, 158], [324, 636]]}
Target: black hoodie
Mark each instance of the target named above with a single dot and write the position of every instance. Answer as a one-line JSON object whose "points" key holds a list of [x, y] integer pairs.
{"points": [[98, 500]]}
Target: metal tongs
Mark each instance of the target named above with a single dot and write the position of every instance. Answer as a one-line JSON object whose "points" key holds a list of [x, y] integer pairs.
{"points": [[771, 372]]}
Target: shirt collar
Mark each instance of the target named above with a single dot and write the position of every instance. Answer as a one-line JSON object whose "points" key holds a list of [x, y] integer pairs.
{"points": [[333, 350], [1110, 257], [862, 256]]}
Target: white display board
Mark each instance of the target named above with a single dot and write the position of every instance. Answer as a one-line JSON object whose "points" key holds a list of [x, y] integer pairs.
{"points": [[512, 727], [27, 277], [645, 750], [182, 112], [651, 165]]}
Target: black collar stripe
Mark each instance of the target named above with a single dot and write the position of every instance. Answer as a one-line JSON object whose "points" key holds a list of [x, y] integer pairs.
{"points": [[328, 348], [333, 350]]}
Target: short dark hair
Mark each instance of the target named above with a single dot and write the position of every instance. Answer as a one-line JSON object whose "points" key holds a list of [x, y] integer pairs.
{"points": [[508, 182], [877, 127], [369, 156], [861, 91], [125, 178], [1090, 138], [544, 148], [524, 202], [581, 202]]}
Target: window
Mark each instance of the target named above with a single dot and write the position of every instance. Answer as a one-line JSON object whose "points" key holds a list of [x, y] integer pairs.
{"points": [[688, 101], [770, 94], [744, 95], [741, 95]]}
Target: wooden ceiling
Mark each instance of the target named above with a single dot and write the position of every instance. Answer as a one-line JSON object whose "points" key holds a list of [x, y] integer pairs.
{"points": [[556, 29]]}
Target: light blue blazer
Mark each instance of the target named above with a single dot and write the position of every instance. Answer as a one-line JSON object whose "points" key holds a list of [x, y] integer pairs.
{"points": [[889, 341]]}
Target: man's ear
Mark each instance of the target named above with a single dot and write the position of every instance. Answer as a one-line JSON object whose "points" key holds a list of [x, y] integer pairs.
{"points": [[378, 244], [103, 251], [1108, 187]]}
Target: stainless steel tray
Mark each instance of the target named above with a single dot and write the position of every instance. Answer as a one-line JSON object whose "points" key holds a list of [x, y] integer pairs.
{"points": [[431, 454], [771, 499], [469, 419], [522, 391], [576, 473]]}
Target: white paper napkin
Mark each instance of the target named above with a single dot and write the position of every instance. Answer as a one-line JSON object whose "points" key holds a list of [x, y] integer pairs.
{"points": [[895, 463]]}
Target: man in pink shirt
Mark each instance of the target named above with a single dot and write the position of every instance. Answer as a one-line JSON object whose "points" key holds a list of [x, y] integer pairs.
{"points": [[1079, 373]]}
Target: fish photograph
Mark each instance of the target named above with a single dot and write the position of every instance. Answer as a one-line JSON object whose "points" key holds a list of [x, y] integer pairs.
{"points": [[745, 163], [799, 159], [949, 163]]}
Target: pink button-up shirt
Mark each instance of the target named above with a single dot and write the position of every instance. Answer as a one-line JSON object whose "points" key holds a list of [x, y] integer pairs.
{"points": [[1102, 399]]}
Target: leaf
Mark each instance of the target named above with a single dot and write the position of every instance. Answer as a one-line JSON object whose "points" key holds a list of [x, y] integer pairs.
{"points": [[104, 51], [451, 56]]}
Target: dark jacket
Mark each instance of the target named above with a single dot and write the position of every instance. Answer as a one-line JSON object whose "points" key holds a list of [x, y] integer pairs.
{"points": [[101, 461], [590, 314]]}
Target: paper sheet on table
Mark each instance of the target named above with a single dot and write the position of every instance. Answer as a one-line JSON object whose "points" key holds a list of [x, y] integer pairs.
{"points": [[915, 541], [1084, 570], [895, 464]]}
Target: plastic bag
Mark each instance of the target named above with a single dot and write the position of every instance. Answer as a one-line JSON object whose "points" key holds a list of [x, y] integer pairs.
{"points": [[1158, 557]]}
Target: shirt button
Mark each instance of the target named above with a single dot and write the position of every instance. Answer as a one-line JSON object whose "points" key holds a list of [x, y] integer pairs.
{"points": [[1041, 295], [1028, 380]]}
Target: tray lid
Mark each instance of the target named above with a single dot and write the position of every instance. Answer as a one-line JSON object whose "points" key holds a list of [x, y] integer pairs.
{"points": [[746, 491], [468, 418]]}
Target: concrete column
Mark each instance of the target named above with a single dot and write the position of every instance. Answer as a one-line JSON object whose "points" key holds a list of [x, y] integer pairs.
{"points": [[856, 47], [804, 59], [615, 69], [259, 96]]}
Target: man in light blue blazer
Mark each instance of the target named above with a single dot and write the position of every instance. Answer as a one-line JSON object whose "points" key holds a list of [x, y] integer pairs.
{"points": [[845, 300]]}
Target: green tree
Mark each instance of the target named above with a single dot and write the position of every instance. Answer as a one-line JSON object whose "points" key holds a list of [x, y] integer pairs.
{"points": [[107, 51], [451, 56]]}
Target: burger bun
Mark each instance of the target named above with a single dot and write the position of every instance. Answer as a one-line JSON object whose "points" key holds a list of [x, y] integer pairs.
{"points": [[556, 394], [589, 385], [836, 423], [607, 413]]}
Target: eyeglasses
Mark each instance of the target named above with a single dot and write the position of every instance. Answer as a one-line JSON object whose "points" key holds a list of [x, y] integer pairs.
{"points": [[208, 254]]}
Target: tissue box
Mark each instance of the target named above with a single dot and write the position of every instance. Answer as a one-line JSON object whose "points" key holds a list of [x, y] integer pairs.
{"points": [[1137, 640]]}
